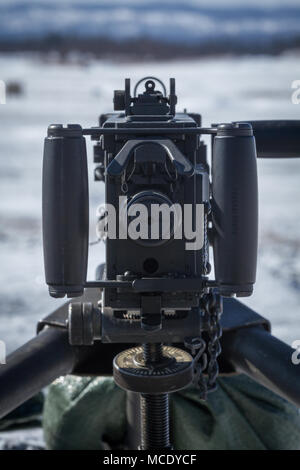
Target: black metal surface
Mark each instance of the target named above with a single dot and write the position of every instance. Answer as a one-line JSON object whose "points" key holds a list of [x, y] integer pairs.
{"points": [[118, 165], [113, 284], [33, 366], [155, 428], [150, 168], [153, 352], [155, 421], [168, 285], [247, 346], [98, 131], [84, 324], [235, 315], [172, 331], [265, 358], [44, 358], [59, 317], [277, 139]]}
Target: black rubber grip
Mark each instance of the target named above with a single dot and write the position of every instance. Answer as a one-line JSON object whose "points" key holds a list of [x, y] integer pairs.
{"points": [[65, 213], [235, 210]]}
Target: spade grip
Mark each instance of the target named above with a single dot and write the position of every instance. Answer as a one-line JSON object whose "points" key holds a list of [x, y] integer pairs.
{"points": [[65, 210], [235, 208]]}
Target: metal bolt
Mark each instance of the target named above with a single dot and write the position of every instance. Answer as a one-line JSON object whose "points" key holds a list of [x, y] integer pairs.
{"points": [[155, 425]]}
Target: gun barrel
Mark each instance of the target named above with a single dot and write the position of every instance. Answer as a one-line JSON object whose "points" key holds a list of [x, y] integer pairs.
{"points": [[277, 139]]}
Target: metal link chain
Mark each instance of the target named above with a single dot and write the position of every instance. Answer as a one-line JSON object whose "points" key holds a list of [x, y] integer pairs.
{"points": [[197, 346], [212, 307]]}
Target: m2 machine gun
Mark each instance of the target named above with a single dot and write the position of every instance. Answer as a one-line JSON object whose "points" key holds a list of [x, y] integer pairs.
{"points": [[152, 316]]}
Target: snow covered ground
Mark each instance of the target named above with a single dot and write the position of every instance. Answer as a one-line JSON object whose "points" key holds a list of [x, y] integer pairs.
{"points": [[25, 439], [222, 90]]}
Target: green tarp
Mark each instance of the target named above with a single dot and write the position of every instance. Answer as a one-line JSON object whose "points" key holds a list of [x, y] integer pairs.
{"points": [[89, 413]]}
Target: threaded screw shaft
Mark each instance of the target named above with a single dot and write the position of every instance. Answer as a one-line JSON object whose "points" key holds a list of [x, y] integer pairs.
{"points": [[155, 426], [155, 421], [153, 353]]}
